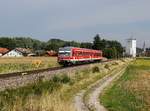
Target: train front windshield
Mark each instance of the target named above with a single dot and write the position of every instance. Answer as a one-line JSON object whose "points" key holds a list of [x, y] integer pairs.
{"points": [[63, 53]]}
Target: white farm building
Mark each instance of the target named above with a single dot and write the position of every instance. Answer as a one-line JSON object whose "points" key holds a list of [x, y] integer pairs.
{"points": [[17, 52], [13, 53]]}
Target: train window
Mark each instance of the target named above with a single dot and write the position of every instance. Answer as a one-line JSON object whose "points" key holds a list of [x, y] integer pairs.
{"points": [[77, 53], [89, 54], [97, 54], [86, 53], [80, 54]]}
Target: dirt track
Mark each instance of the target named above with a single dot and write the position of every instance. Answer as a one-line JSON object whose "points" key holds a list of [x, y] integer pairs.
{"points": [[92, 101]]}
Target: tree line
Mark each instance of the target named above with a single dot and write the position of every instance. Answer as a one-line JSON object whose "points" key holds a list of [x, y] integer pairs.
{"points": [[111, 49]]}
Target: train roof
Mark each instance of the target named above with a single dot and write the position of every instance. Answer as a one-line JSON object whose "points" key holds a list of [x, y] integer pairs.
{"points": [[70, 47]]}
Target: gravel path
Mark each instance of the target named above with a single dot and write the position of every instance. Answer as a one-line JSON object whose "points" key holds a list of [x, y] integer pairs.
{"points": [[79, 103], [93, 101]]}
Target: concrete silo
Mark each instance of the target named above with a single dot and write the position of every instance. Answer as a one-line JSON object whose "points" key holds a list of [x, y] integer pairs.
{"points": [[131, 47]]}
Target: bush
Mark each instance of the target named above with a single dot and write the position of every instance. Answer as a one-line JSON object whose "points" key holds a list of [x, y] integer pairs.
{"points": [[61, 79], [123, 60], [56, 79], [95, 69], [85, 71], [65, 79], [106, 66], [115, 63]]}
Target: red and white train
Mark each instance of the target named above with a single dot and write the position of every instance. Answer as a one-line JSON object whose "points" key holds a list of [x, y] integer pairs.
{"points": [[74, 55]]}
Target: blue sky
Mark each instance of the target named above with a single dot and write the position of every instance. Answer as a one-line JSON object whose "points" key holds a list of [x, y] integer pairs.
{"points": [[78, 20]]}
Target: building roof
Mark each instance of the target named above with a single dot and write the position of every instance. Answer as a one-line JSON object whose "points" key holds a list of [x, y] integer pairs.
{"points": [[24, 50], [4, 50], [51, 53]]}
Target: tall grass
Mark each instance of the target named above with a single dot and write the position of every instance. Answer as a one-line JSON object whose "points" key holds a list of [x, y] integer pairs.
{"points": [[132, 91], [8, 65], [9, 98]]}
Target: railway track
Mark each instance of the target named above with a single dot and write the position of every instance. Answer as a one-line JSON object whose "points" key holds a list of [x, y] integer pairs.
{"points": [[28, 72], [13, 74]]}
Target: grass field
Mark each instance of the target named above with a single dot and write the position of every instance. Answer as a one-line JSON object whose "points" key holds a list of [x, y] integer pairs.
{"points": [[8, 65], [132, 91], [55, 94]]}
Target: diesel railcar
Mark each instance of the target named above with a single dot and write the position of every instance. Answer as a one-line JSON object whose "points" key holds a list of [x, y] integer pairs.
{"points": [[74, 55]]}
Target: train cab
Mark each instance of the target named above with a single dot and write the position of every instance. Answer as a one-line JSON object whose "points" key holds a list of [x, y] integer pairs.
{"points": [[64, 55]]}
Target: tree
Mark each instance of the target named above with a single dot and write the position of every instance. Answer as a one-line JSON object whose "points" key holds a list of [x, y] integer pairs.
{"points": [[110, 53], [111, 49], [86, 45], [96, 42], [114, 51], [71, 43], [7, 43]]}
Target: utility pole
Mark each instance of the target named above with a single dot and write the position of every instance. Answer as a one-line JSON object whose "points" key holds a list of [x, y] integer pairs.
{"points": [[144, 48]]}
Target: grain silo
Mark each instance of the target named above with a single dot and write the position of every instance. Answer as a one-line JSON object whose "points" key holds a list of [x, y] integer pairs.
{"points": [[131, 47]]}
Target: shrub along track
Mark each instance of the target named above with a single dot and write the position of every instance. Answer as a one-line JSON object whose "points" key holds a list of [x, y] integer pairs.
{"points": [[88, 100]]}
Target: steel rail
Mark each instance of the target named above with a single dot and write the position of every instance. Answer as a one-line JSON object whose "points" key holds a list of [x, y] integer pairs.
{"points": [[14, 74]]}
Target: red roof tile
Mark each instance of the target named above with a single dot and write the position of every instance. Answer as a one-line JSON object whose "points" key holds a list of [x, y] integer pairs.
{"points": [[51, 53], [3, 50]]}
